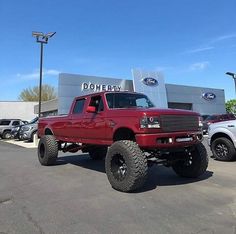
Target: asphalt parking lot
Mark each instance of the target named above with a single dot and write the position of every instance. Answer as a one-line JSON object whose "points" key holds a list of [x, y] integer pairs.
{"points": [[75, 196]]}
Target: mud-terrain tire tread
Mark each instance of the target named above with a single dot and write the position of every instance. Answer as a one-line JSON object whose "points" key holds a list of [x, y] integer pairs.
{"points": [[98, 153], [51, 150], [199, 166], [230, 146], [138, 170]]}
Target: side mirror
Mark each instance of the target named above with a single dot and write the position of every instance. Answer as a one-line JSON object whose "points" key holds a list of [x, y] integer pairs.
{"points": [[91, 109]]}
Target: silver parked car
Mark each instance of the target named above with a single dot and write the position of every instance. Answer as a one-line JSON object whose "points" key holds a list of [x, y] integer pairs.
{"points": [[6, 126], [16, 130], [28, 131], [222, 140]]}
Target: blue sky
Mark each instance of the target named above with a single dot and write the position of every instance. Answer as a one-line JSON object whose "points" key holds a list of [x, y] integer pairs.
{"points": [[193, 42]]}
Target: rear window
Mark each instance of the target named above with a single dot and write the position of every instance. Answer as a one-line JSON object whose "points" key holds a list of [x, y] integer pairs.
{"points": [[5, 122], [212, 117], [79, 106]]}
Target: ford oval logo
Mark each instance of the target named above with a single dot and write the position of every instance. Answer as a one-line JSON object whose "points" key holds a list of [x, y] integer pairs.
{"points": [[149, 81], [209, 96]]}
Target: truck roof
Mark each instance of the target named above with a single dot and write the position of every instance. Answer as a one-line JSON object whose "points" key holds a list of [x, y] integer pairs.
{"points": [[105, 92]]}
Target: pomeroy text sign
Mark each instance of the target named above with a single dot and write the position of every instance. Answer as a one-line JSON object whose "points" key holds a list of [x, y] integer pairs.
{"points": [[89, 86]]}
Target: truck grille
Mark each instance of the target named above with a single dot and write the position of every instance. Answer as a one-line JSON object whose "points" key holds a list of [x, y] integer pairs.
{"points": [[175, 123]]}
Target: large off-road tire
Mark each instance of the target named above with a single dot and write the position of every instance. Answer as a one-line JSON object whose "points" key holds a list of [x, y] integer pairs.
{"points": [[47, 150], [223, 149], [195, 164], [98, 153], [6, 135], [126, 166]]}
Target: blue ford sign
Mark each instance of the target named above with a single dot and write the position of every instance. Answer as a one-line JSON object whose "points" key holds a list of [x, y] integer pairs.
{"points": [[149, 81], [209, 96]]}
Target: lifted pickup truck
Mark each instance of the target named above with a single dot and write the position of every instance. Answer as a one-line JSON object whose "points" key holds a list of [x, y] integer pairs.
{"points": [[126, 130]]}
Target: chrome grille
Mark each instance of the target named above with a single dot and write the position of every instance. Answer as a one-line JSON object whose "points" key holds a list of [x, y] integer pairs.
{"points": [[175, 123]]}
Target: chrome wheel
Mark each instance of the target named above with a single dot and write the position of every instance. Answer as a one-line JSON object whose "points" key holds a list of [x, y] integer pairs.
{"points": [[118, 167], [221, 150]]}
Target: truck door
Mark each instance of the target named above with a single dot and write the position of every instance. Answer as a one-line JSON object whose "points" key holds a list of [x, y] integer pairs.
{"points": [[76, 129], [95, 123]]}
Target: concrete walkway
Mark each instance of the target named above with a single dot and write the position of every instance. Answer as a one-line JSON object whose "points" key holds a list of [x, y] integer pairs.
{"points": [[24, 144]]}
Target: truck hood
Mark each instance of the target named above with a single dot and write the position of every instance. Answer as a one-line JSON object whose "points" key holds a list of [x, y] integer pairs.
{"points": [[223, 124], [169, 111], [152, 111]]}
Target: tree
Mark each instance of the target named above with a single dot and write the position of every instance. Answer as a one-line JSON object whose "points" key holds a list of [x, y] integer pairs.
{"points": [[231, 106], [32, 94]]}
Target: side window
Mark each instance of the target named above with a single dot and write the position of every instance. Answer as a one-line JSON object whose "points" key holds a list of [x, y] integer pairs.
{"points": [[79, 106], [16, 123], [110, 99], [5, 122], [142, 102], [97, 102]]}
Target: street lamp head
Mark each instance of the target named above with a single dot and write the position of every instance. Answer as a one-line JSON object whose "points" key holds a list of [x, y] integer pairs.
{"points": [[50, 34], [231, 74], [37, 34], [43, 38]]}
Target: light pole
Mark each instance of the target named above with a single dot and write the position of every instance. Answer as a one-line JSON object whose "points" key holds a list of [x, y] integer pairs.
{"points": [[42, 39], [234, 77]]}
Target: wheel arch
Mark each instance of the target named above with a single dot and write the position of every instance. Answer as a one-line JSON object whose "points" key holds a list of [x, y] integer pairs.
{"points": [[123, 133], [219, 135], [48, 131], [6, 130]]}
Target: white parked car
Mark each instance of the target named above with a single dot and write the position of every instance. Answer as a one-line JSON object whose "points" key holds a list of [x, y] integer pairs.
{"points": [[222, 140]]}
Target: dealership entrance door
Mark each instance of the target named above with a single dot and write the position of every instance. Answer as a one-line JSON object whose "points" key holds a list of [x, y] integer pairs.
{"points": [[182, 106]]}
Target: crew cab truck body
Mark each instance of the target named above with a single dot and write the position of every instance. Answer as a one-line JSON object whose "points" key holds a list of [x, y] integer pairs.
{"points": [[222, 140], [130, 133]]}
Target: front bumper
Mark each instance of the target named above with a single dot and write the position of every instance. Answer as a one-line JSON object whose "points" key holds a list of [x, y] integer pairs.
{"points": [[25, 135], [168, 140], [14, 135]]}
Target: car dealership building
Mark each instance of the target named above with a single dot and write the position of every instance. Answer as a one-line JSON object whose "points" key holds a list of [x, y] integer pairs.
{"points": [[199, 99]]}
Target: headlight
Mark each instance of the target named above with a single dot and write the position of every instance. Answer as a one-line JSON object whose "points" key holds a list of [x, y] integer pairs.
{"points": [[17, 128], [149, 122]]}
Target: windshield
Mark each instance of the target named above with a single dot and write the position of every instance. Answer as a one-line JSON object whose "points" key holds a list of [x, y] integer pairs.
{"points": [[128, 100], [33, 120]]}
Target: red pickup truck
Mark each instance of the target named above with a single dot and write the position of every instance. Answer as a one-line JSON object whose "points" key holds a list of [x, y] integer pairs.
{"points": [[130, 133]]}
